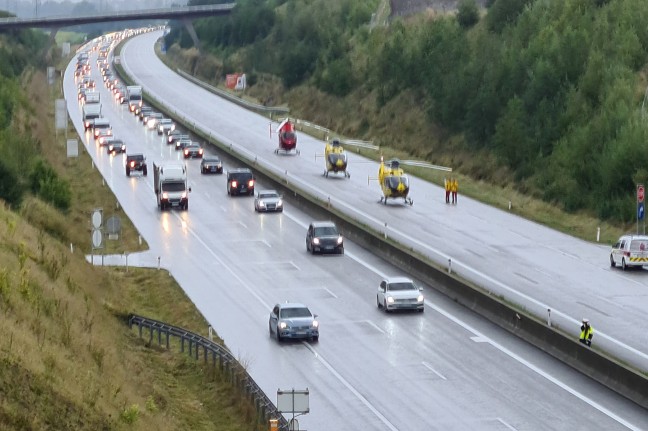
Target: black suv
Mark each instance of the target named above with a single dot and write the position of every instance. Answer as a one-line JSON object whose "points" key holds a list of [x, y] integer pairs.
{"points": [[135, 162], [323, 237], [240, 181]]}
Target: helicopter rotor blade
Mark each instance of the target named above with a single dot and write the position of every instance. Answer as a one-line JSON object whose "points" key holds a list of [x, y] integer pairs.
{"points": [[425, 165]]}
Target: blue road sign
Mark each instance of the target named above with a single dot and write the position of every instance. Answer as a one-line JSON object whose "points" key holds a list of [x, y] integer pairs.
{"points": [[640, 211]]}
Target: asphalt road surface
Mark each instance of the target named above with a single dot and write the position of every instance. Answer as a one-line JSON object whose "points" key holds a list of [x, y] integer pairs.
{"points": [[445, 369]]}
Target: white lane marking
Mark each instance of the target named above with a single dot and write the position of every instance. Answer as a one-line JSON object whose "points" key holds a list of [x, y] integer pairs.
{"points": [[479, 337], [381, 330], [242, 224], [293, 264], [353, 390], [330, 292], [500, 420], [429, 367]]}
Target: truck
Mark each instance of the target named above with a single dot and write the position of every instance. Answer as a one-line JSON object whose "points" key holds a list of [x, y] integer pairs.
{"points": [[91, 111], [170, 185], [134, 96]]}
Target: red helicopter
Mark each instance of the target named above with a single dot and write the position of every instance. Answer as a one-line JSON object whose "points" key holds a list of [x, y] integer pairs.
{"points": [[287, 137]]}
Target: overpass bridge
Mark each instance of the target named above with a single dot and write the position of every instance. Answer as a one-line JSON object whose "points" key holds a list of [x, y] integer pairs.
{"points": [[186, 14]]}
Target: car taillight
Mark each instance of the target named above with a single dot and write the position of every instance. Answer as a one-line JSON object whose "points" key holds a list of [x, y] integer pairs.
{"points": [[251, 183], [234, 184], [132, 164], [200, 151]]}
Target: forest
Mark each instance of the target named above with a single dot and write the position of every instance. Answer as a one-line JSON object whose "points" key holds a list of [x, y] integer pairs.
{"points": [[552, 89]]}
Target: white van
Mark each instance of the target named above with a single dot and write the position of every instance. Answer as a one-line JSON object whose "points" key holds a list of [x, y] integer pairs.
{"points": [[630, 251]]}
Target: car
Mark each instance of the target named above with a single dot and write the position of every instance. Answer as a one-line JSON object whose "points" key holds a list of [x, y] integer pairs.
{"points": [[322, 237], [211, 165], [116, 146], [152, 120], [240, 181], [630, 251], [176, 135], [268, 200], [165, 125], [193, 151], [293, 320], [142, 112], [180, 144], [136, 162], [400, 293], [103, 137]]}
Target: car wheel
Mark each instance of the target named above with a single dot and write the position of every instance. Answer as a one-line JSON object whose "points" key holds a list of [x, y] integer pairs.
{"points": [[270, 328], [277, 335], [612, 262], [385, 306], [378, 302], [186, 206], [315, 339], [623, 264], [144, 171]]}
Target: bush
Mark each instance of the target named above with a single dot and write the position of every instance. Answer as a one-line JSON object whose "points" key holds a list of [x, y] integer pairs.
{"points": [[11, 189], [467, 13], [45, 182]]}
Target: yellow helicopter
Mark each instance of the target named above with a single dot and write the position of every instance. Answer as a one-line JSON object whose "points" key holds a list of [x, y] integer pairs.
{"points": [[393, 181], [336, 157]]}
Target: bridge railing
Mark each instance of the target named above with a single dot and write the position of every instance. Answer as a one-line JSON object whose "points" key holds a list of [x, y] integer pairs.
{"points": [[198, 346]]}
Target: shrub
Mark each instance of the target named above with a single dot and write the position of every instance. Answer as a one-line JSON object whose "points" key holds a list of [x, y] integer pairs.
{"points": [[467, 13]]}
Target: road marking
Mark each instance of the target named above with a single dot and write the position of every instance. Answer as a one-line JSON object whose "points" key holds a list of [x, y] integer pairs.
{"points": [[500, 420], [429, 367], [330, 292]]}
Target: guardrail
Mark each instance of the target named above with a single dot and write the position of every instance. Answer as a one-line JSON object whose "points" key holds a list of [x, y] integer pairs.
{"points": [[219, 355]]}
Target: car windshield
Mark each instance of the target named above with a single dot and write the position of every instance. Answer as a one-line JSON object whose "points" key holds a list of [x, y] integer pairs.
{"points": [[289, 313], [268, 195], [211, 160], [173, 187], [325, 231], [135, 158], [241, 176], [402, 286]]}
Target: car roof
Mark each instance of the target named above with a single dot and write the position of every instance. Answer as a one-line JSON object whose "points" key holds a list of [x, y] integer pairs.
{"points": [[266, 192], [166, 120], [135, 155], [292, 305], [193, 144], [239, 171], [391, 280], [323, 224]]}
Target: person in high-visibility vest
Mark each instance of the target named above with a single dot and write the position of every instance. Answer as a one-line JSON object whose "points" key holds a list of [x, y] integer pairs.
{"points": [[446, 183], [587, 332], [454, 187]]}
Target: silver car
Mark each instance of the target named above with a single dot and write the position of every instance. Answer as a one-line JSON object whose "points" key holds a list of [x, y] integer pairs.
{"points": [[293, 320], [400, 293], [268, 200]]}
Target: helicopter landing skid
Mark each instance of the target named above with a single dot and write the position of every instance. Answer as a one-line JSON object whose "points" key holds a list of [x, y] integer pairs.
{"points": [[409, 201], [282, 151]]}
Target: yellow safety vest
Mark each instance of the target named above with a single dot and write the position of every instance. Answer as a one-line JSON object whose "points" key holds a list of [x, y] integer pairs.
{"points": [[587, 333], [454, 186]]}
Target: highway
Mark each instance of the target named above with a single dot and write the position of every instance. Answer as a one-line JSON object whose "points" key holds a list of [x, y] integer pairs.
{"points": [[445, 369]]}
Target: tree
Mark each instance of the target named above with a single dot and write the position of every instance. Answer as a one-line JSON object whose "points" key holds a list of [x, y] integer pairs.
{"points": [[467, 13]]}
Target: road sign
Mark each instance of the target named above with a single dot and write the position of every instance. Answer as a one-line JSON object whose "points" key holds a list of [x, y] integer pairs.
{"points": [[641, 211], [640, 192], [97, 218], [97, 238]]}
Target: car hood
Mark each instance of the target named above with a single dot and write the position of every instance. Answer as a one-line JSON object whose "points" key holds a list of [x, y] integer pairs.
{"points": [[298, 321], [269, 200], [404, 294]]}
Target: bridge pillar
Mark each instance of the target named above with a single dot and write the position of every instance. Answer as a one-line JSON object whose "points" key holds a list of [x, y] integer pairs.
{"points": [[192, 32], [51, 43]]}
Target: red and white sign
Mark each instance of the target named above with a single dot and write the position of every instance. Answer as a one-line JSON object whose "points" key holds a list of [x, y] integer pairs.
{"points": [[640, 193], [235, 81]]}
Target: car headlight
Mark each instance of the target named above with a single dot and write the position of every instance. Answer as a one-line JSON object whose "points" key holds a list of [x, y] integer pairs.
{"points": [[390, 299], [165, 195], [339, 240], [261, 203], [110, 148], [315, 324], [280, 203], [183, 195], [315, 240], [419, 298], [282, 325]]}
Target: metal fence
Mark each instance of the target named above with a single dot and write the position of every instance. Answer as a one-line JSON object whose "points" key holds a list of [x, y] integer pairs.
{"points": [[196, 346]]}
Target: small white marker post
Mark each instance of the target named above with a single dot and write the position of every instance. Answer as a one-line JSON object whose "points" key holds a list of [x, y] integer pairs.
{"points": [[449, 266], [549, 317], [598, 234]]}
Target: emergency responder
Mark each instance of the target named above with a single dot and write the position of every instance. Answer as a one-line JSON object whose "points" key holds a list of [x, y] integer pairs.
{"points": [[446, 183], [587, 332], [454, 187]]}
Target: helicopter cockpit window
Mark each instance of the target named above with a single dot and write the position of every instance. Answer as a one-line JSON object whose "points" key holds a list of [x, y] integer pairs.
{"points": [[392, 182], [289, 135], [325, 231]]}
